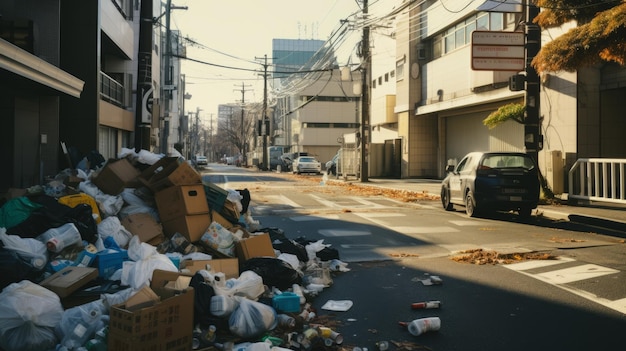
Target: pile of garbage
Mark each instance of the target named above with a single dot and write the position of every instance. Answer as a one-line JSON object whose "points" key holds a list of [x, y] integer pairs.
{"points": [[141, 253]]}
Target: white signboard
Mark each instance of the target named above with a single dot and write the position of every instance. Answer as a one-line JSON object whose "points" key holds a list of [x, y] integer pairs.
{"points": [[498, 51]]}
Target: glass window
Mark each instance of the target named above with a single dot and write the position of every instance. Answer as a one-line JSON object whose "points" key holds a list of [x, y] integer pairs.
{"points": [[459, 36], [482, 22], [468, 31], [496, 21]]}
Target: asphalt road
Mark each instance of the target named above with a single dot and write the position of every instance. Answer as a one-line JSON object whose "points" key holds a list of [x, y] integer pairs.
{"points": [[391, 248]]}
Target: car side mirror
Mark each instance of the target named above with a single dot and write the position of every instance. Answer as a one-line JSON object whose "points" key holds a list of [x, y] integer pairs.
{"points": [[449, 168]]}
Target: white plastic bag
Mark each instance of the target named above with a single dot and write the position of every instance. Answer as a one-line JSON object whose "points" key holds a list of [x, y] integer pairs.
{"points": [[28, 315], [112, 227], [144, 260], [31, 250], [251, 318], [109, 205]]}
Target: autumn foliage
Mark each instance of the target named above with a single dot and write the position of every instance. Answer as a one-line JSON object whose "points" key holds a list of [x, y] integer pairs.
{"points": [[599, 36]]}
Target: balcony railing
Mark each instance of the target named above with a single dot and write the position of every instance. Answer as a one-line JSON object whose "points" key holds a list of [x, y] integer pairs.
{"points": [[598, 179], [111, 90]]}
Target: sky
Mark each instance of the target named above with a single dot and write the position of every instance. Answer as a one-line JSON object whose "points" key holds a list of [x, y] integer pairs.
{"points": [[238, 33]]}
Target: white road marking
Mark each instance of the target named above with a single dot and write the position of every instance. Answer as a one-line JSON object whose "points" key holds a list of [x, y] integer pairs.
{"points": [[466, 223], [343, 232], [423, 230], [313, 218], [523, 266], [282, 199], [573, 274], [560, 277]]}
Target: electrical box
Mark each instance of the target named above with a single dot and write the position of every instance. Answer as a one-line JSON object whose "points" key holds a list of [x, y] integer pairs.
{"points": [[516, 82]]}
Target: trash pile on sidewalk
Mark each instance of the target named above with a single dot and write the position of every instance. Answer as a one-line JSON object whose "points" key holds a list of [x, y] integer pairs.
{"points": [[138, 253]]}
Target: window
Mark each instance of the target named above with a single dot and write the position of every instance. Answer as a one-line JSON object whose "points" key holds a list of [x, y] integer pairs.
{"points": [[460, 34], [386, 77], [374, 83], [380, 80]]}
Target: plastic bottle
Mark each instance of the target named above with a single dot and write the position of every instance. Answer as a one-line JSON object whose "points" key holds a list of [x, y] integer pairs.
{"points": [[61, 237], [297, 289], [286, 321], [426, 305], [423, 325]]}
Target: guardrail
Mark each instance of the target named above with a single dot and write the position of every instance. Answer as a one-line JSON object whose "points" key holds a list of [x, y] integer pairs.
{"points": [[598, 179]]}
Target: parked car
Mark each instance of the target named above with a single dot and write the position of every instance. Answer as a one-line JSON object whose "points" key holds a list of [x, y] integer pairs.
{"points": [[200, 161], [332, 165], [306, 164], [492, 181]]}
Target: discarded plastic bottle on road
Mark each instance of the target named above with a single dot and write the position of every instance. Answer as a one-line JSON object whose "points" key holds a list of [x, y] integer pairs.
{"points": [[328, 333], [382, 345], [425, 305], [423, 325]]}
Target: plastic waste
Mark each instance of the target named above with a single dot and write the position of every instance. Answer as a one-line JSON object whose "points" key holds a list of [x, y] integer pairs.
{"points": [[29, 313], [328, 333], [57, 239], [423, 325], [425, 305], [80, 323], [31, 250]]}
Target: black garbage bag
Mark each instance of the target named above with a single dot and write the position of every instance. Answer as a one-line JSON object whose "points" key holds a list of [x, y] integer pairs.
{"points": [[202, 316], [245, 202], [14, 269], [53, 214], [326, 254], [274, 272]]}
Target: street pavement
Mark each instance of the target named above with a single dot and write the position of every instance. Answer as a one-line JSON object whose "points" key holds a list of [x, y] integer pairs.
{"points": [[608, 216]]}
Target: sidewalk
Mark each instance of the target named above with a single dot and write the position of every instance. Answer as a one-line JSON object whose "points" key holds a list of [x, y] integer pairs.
{"points": [[610, 217]]}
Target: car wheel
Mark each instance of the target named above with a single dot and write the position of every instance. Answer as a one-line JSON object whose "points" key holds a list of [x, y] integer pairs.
{"points": [[470, 204], [445, 199], [525, 212]]}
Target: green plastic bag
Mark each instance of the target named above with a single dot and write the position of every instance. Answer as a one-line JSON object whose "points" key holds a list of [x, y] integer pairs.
{"points": [[16, 211]]}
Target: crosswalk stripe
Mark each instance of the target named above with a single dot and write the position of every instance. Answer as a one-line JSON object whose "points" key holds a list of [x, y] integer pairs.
{"points": [[573, 274], [561, 277]]}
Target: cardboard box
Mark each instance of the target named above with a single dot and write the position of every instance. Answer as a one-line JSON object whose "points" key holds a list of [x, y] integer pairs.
{"points": [[254, 246], [217, 217], [69, 279], [169, 171], [181, 200], [228, 266], [115, 176], [148, 325], [191, 226], [145, 227]]}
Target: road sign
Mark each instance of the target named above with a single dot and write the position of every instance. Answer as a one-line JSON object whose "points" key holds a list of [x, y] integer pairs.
{"points": [[498, 51]]}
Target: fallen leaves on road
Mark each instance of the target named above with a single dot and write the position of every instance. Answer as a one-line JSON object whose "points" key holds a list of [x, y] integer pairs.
{"points": [[480, 256], [564, 240]]}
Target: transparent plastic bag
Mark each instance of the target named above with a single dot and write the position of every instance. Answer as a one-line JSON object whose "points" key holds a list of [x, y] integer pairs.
{"points": [[28, 315], [251, 318], [79, 324]]}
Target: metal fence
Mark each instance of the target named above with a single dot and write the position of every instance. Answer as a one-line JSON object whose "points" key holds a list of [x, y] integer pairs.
{"points": [[598, 179]]}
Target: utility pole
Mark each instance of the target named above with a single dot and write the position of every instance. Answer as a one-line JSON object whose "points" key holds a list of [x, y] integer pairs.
{"points": [[265, 124], [365, 103], [168, 74], [532, 137], [243, 134]]}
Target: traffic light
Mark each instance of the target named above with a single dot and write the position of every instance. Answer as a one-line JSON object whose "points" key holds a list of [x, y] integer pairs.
{"points": [[516, 82]]}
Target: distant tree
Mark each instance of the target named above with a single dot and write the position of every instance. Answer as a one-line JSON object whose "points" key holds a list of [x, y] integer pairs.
{"points": [[599, 36]]}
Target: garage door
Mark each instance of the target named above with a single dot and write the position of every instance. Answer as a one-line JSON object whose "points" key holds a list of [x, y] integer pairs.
{"points": [[466, 133]]}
